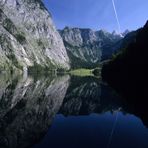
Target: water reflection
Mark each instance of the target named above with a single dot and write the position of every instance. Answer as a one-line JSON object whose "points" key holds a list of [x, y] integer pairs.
{"points": [[96, 130], [70, 111], [27, 108], [87, 95]]}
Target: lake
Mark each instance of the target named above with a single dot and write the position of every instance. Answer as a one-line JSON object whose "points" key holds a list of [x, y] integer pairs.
{"points": [[68, 112]]}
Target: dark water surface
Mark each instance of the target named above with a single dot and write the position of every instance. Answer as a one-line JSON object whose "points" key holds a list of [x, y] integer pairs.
{"points": [[67, 112]]}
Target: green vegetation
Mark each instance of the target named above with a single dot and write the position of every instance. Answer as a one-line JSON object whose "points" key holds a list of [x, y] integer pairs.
{"points": [[97, 71], [77, 63], [41, 68], [9, 26], [14, 61], [40, 44], [2, 39], [20, 38], [81, 72], [36, 69]]}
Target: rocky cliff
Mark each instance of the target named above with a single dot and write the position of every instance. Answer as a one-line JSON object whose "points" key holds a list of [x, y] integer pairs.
{"points": [[27, 108], [85, 47], [28, 37]]}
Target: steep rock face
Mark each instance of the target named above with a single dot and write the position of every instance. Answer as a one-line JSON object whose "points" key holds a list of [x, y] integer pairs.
{"points": [[85, 46], [27, 108], [28, 36]]}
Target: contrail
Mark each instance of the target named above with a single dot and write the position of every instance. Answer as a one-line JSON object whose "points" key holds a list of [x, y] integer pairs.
{"points": [[114, 7]]}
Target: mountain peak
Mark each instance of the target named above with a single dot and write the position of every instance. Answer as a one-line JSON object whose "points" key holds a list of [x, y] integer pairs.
{"points": [[115, 32], [146, 25], [125, 32]]}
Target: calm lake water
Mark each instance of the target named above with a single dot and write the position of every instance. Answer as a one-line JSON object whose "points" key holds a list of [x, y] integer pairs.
{"points": [[67, 112]]}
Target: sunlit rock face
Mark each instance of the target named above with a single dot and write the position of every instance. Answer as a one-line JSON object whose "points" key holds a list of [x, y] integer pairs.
{"points": [[85, 47], [28, 37], [27, 108]]}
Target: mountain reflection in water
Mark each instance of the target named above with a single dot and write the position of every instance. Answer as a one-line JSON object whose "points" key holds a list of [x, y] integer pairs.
{"points": [[66, 111]]}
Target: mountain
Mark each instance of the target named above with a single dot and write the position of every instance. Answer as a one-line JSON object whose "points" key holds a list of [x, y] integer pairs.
{"points": [[30, 107], [87, 95], [128, 72], [29, 40], [127, 38], [28, 37], [123, 43], [125, 32], [85, 47]]}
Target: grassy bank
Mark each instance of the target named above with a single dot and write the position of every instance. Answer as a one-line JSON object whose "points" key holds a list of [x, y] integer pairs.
{"points": [[81, 72]]}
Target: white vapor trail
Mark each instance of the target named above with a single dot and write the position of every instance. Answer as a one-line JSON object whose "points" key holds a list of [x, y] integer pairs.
{"points": [[114, 7]]}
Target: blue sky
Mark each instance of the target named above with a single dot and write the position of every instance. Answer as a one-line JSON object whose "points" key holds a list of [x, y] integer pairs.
{"points": [[98, 14]]}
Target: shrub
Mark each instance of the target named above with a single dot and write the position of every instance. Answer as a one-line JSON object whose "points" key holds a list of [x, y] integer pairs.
{"points": [[20, 38]]}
